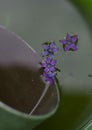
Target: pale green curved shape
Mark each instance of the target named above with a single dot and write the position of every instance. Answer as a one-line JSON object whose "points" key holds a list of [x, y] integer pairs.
{"points": [[10, 118]]}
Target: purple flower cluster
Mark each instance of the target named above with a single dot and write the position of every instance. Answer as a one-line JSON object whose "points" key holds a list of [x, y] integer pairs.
{"points": [[49, 63]]}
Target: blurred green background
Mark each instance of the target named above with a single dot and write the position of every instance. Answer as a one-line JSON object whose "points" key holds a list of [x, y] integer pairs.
{"points": [[37, 21]]}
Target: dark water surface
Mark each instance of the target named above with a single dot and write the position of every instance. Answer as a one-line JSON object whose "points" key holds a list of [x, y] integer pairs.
{"points": [[19, 87]]}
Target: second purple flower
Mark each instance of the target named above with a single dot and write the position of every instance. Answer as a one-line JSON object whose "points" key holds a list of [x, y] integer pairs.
{"points": [[69, 43], [49, 49]]}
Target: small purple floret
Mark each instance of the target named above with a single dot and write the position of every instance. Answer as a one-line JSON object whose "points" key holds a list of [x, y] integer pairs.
{"points": [[69, 42], [48, 65], [49, 49], [49, 69], [49, 77]]}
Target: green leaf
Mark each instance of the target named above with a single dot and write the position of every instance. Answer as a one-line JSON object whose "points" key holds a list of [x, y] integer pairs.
{"points": [[85, 7]]}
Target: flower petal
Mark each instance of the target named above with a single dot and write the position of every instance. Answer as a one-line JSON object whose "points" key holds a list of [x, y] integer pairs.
{"points": [[50, 80], [73, 46], [67, 47], [51, 74], [52, 45], [52, 68], [53, 62], [74, 38], [46, 70], [43, 64], [55, 50], [68, 37], [48, 60], [45, 53], [45, 47], [50, 56], [63, 41]]}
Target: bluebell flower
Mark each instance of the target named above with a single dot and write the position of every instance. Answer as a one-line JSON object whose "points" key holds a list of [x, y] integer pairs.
{"points": [[69, 42], [49, 48], [49, 77], [48, 65]]}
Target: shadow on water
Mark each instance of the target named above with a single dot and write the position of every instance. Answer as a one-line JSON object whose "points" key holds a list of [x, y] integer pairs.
{"points": [[69, 112], [22, 87], [19, 87]]}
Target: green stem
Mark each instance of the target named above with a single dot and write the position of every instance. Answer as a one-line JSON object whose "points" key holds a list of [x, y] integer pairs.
{"points": [[59, 87]]}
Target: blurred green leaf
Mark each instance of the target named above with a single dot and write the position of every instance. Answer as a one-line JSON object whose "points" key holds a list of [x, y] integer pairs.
{"points": [[85, 7]]}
